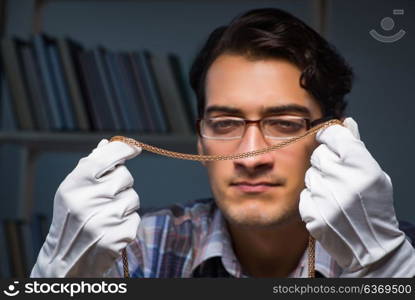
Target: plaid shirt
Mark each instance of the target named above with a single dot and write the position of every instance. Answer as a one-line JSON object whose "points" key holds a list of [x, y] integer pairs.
{"points": [[192, 240]]}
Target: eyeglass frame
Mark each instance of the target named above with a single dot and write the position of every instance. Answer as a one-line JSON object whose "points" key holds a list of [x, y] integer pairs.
{"points": [[309, 125]]}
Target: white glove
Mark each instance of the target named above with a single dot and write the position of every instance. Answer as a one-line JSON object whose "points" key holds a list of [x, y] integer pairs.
{"points": [[94, 215], [347, 206]]}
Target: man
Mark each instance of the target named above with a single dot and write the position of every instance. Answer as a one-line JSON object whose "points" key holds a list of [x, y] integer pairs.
{"points": [[262, 79]]}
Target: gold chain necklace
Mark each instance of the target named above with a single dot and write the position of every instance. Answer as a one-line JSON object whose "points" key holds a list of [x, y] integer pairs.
{"points": [[311, 251], [196, 157]]}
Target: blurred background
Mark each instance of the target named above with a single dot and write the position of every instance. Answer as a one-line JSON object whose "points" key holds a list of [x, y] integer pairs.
{"points": [[59, 55]]}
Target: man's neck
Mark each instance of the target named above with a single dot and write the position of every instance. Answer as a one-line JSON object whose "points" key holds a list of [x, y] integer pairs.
{"points": [[269, 252]]}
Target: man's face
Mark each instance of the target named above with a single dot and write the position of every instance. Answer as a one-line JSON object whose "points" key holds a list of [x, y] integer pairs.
{"points": [[262, 190]]}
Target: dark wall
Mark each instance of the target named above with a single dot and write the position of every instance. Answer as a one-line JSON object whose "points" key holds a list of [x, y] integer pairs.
{"points": [[382, 100]]}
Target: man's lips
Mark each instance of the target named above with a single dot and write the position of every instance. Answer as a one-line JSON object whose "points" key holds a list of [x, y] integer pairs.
{"points": [[254, 187]]}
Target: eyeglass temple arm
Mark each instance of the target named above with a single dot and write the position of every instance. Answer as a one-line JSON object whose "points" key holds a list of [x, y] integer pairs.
{"points": [[322, 120]]}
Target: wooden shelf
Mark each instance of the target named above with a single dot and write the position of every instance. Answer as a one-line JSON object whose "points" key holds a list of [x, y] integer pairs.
{"points": [[86, 141]]}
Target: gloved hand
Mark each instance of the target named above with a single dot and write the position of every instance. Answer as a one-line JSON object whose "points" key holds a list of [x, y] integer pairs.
{"points": [[347, 206], [94, 215]]}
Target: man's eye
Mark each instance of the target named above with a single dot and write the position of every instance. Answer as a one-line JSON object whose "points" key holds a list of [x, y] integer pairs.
{"points": [[282, 125], [224, 125]]}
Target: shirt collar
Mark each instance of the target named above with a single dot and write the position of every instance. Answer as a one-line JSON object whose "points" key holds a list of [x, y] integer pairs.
{"points": [[217, 243]]}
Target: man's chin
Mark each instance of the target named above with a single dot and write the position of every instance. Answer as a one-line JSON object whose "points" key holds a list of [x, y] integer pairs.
{"points": [[256, 217]]}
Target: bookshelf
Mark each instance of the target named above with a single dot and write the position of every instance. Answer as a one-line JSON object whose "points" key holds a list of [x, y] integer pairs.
{"points": [[34, 142], [50, 141]]}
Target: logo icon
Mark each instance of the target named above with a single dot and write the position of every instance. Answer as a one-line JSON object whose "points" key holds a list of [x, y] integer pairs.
{"points": [[12, 290], [387, 24]]}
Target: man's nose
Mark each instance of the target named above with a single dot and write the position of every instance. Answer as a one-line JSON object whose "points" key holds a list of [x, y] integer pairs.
{"points": [[253, 139]]}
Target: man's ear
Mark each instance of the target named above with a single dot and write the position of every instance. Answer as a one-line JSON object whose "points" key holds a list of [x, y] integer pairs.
{"points": [[200, 150]]}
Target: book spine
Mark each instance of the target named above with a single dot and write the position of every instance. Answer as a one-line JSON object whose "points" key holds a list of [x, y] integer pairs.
{"points": [[14, 78], [119, 92], [5, 266], [133, 100], [134, 116], [29, 253], [151, 96], [97, 122], [138, 82], [139, 97], [76, 97], [61, 87], [98, 96], [189, 103], [119, 110], [104, 85], [35, 88], [79, 68], [7, 120], [15, 249], [155, 94], [170, 96], [55, 113]]}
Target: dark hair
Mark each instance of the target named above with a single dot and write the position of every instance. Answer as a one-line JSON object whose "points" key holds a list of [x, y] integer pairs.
{"points": [[273, 33]]}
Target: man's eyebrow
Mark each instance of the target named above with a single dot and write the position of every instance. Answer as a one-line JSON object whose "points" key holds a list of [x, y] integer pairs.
{"points": [[281, 109], [223, 109], [289, 108]]}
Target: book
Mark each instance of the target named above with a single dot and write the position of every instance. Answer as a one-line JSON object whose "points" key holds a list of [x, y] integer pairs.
{"points": [[7, 119], [68, 49], [54, 108], [60, 85], [170, 94], [152, 97], [119, 93], [155, 93], [139, 85], [13, 160], [189, 103], [101, 115], [27, 234], [34, 85], [77, 51], [15, 249], [101, 103], [105, 87], [133, 98], [16, 82], [5, 266]]}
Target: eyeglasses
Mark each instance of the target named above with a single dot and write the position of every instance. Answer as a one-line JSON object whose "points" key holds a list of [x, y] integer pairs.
{"points": [[273, 127]]}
